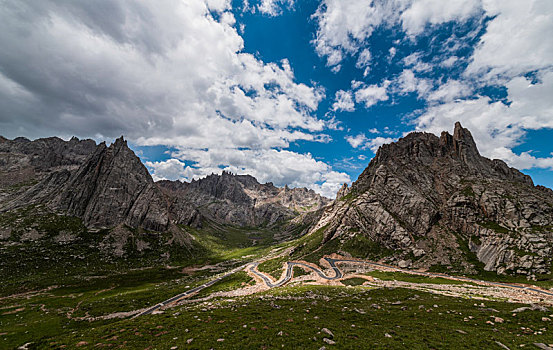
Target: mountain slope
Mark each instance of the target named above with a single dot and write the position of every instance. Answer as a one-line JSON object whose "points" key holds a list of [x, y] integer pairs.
{"points": [[237, 200], [426, 201]]}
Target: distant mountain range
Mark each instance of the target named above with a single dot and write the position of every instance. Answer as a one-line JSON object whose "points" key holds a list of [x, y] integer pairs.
{"points": [[424, 201], [108, 186]]}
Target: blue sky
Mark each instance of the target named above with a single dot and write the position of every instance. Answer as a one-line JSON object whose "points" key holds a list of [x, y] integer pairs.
{"points": [[293, 92]]}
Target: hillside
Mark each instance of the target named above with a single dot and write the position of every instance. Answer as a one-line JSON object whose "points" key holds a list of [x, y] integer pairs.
{"points": [[435, 202]]}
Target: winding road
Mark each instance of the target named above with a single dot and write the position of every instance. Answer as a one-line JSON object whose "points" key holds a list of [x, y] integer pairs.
{"points": [[252, 267], [339, 274]]}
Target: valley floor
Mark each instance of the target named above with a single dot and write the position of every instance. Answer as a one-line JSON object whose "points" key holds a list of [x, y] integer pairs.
{"points": [[342, 304]]}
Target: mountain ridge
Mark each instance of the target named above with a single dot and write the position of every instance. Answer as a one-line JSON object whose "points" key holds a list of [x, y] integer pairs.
{"points": [[432, 201]]}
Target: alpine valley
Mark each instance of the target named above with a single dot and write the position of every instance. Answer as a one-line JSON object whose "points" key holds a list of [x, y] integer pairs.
{"points": [[94, 253]]}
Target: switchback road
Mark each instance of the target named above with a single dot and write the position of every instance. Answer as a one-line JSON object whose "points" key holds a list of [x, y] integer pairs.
{"points": [[339, 274], [252, 267]]}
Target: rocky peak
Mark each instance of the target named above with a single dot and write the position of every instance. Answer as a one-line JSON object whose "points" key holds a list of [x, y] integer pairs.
{"points": [[428, 196], [112, 187], [238, 200], [24, 161]]}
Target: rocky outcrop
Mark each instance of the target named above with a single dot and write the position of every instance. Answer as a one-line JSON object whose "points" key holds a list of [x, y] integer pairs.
{"points": [[114, 187], [237, 200], [436, 201], [109, 188], [22, 160]]}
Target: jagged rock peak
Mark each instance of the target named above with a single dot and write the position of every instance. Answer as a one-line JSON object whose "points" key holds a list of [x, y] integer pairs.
{"points": [[237, 200], [113, 186], [431, 199], [457, 151]]}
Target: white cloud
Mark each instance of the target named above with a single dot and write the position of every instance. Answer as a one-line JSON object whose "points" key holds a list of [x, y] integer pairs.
{"points": [[449, 62], [450, 91], [517, 40], [374, 143], [407, 82], [372, 94], [361, 141], [364, 59], [274, 7], [345, 25], [171, 169], [392, 51], [498, 127], [356, 141], [343, 101], [514, 44], [423, 12]]}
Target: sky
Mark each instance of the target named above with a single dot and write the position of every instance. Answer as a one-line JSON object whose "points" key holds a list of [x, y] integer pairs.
{"points": [[292, 92]]}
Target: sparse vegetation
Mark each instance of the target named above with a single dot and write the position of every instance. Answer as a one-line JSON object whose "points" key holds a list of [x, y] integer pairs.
{"points": [[355, 316]]}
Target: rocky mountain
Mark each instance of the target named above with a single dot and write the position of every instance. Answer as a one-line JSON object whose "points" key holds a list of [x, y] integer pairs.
{"points": [[107, 186], [237, 200], [433, 202], [23, 162], [110, 187]]}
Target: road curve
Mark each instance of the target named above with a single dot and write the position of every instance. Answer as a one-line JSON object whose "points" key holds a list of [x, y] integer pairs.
{"points": [[289, 271], [252, 267], [339, 274]]}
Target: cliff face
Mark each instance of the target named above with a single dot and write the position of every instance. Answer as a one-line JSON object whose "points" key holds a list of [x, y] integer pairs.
{"points": [[114, 187], [436, 201], [237, 200], [109, 187], [22, 160]]}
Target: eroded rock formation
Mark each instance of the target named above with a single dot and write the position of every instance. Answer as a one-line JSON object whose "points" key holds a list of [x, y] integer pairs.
{"points": [[435, 200]]}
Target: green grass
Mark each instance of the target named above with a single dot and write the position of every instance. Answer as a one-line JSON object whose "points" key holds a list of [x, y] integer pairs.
{"points": [[355, 281], [90, 281], [492, 225], [299, 271], [237, 280], [273, 267], [406, 277], [468, 192], [293, 317]]}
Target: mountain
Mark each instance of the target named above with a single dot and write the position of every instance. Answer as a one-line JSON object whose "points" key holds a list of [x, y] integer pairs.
{"points": [[435, 202], [107, 186], [237, 200], [24, 162], [110, 187]]}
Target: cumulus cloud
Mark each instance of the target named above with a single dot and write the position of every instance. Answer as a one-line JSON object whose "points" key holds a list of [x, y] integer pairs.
{"points": [[370, 95], [160, 72], [512, 46], [407, 82], [514, 53], [451, 90], [171, 169], [430, 12], [375, 143], [274, 7], [496, 126], [343, 101], [345, 25], [516, 40], [356, 141], [361, 141]]}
